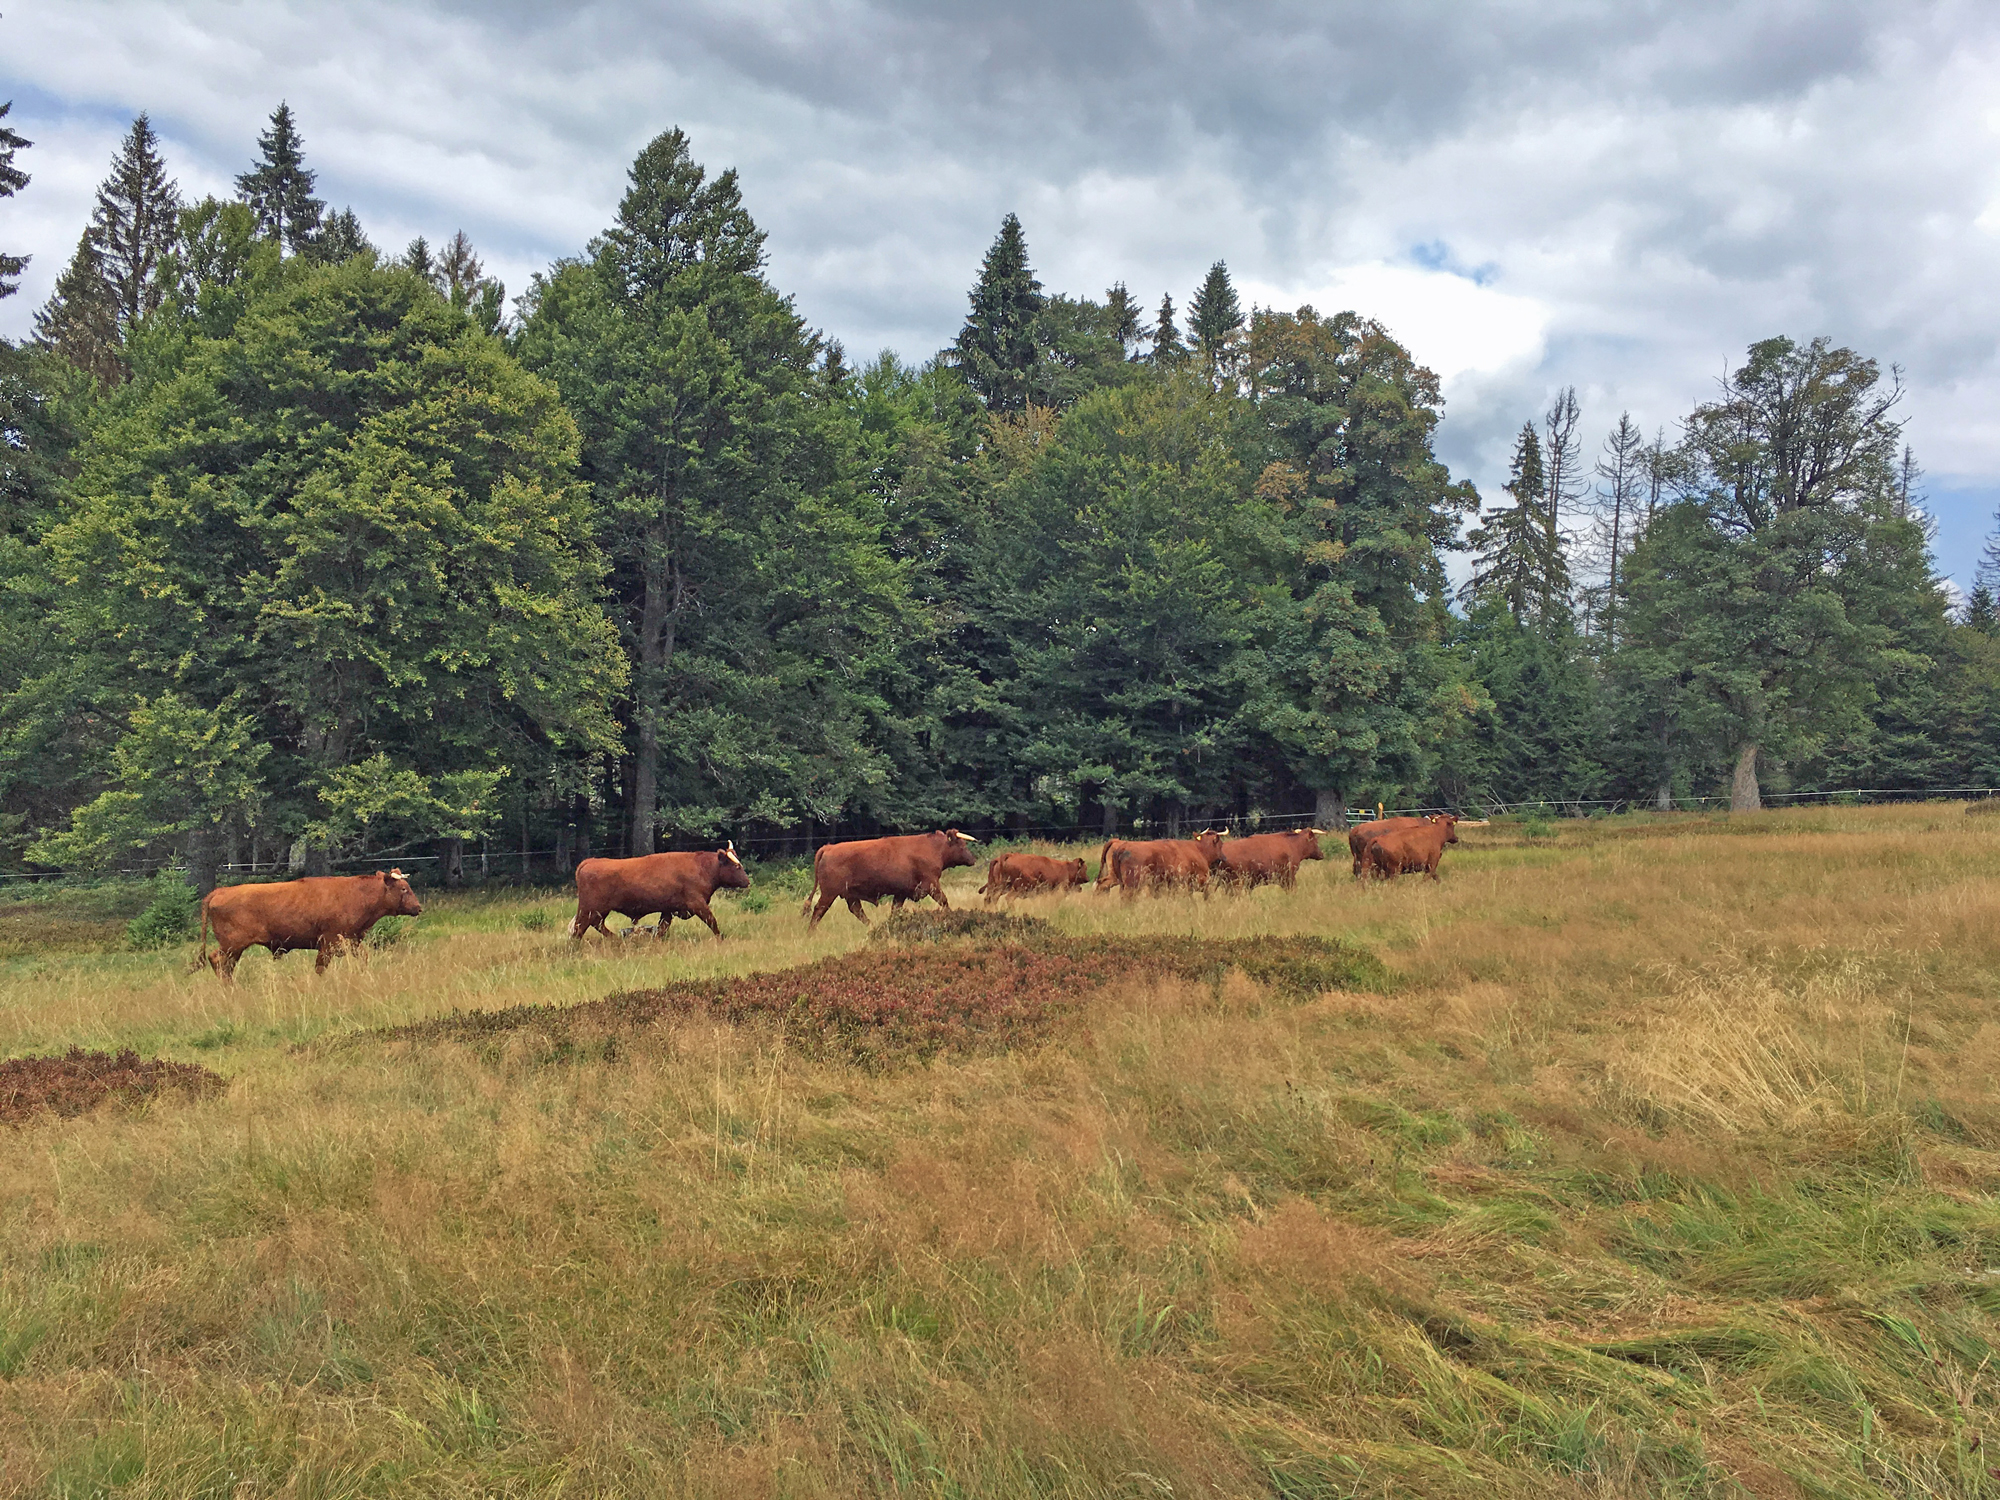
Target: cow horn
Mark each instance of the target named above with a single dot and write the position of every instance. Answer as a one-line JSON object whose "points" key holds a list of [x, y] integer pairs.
{"points": [[966, 836], [1318, 832]]}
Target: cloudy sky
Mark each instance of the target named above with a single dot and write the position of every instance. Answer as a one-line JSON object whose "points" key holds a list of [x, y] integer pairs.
{"points": [[1618, 195]]}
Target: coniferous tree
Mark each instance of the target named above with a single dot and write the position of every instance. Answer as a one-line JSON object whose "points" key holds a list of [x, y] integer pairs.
{"points": [[135, 223], [1124, 321], [417, 257], [1621, 473], [1516, 558], [12, 180], [1562, 465], [1980, 613], [1168, 349], [1215, 320], [279, 188], [996, 350], [340, 238], [80, 319]]}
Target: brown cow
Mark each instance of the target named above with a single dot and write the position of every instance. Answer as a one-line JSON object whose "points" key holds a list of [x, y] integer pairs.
{"points": [[1412, 849], [326, 912], [1260, 857], [1162, 864], [674, 885], [1021, 874], [1362, 835], [906, 868]]}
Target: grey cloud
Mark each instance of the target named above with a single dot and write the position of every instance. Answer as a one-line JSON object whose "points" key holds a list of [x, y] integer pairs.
{"points": [[1667, 181]]}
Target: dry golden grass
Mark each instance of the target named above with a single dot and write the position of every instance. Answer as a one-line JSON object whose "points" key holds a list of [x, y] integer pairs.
{"points": [[1665, 1167]]}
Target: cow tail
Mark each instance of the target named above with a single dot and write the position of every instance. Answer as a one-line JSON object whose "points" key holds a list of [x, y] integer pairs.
{"points": [[806, 910], [201, 959], [1103, 855]]}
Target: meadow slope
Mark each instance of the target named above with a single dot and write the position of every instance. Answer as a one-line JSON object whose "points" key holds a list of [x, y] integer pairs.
{"points": [[1662, 1163]]}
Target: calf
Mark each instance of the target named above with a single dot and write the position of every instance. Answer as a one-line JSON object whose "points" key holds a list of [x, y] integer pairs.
{"points": [[1021, 874], [674, 885], [324, 912]]}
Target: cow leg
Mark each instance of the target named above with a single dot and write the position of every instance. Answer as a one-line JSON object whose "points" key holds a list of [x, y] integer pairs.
{"points": [[826, 905], [225, 963], [328, 946], [937, 895], [854, 905], [701, 909]]}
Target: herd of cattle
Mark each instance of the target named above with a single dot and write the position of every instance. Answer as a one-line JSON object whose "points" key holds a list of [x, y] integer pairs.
{"points": [[328, 913]]}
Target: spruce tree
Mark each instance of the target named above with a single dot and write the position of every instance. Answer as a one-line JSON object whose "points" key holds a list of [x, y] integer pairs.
{"points": [[1167, 346], [12, 180], [1123, 319], [1516, 559], [340, 238], [135, 224], [1215, 319], [80, 319], [417, 257], [1980, 612], [996, 348], [279, 188]]}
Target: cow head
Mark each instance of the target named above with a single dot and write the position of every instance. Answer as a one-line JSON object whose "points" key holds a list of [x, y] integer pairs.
{"points": [[1209, 842], [1078, 873], [398, 897], [1313, 836], [1450, 827], [957, 848], [729, 871]]}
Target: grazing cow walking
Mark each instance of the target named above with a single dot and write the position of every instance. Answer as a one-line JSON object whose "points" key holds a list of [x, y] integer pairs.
{"points": [[906, 868], [1021, 874], [324, 912], [1260, 857], [674, 885], [1362, 835], [1162, 864], [1412, 849]]}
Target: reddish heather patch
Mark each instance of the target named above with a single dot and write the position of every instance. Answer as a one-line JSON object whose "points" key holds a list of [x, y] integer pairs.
{"points": [[940, 996], [78, 1081]]}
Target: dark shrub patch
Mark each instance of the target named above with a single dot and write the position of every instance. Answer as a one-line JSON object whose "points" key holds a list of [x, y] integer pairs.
{"points": [[926, 925], [880, 1003], [79, 1080]]}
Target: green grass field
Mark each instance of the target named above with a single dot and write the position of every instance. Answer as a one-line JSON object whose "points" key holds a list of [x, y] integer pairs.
{"points": [[1663, 1163]]}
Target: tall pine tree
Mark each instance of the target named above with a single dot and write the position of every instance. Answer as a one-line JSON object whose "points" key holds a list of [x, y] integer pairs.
{"points": [[80, 319], [1517, 559], [12, 180], [1123, 319], [279, 189], [1167, 346], [996, 350], [135, 224], [1215, 319]]}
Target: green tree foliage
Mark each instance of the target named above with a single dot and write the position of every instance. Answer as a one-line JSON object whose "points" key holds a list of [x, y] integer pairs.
{"points": [[996, 350], [1124, 319], [1763, 603], [1517, 553], [80, 319], [749, 582], [340, 238], [1359, 690], [135, 224], [1168, 346], [12, 180], [1215, 319], [279, 188], [329, 521]]}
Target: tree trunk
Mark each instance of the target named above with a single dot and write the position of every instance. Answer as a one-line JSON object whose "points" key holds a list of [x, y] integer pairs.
{"points": [[201, 851], [527, 848], [1743, 795], [454, 862], [1329, 810], [580, 811], [1110, 819], [1663, 800], [1173, 820], [659, 611]]}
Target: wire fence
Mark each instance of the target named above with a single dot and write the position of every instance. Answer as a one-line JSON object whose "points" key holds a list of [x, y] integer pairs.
{"points": [[490, 863]]}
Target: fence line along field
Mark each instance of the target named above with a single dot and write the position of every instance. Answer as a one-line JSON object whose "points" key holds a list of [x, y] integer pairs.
{"points": [[1642, 1155]]}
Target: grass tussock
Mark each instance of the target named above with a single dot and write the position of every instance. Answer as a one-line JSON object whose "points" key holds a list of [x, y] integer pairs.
{"points": [[1659, 1157]]}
